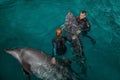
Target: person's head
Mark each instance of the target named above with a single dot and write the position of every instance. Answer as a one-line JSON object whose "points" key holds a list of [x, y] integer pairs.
{"points": [[83, 14], [59, 32]]}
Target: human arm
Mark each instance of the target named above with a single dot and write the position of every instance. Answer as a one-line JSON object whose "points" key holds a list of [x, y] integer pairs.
{"points": [[88, 25], [53, 60]]}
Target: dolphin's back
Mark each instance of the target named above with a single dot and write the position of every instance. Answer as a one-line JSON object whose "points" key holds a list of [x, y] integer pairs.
{"points": [[35, 55]]}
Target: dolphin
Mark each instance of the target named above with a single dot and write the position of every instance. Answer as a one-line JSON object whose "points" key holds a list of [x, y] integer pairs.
{"points": [[39, 63]]}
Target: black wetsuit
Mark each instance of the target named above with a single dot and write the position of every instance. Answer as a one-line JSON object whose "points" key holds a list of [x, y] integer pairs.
{"points": [[59, 47], [84, 26]]}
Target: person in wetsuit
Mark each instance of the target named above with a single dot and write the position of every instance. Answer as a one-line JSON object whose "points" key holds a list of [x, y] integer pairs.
{"points": [[58, 45], [59, 49], [84, 25]]}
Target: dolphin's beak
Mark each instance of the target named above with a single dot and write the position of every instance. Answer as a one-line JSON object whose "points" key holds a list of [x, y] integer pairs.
{"points": [[8, 51]]}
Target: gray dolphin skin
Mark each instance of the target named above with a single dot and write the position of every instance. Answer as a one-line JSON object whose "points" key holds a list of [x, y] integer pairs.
{"points": [[71, 25], [38, 63]]}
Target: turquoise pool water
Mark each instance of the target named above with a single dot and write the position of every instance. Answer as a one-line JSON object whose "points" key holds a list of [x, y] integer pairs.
{"points": [[32, 23]]}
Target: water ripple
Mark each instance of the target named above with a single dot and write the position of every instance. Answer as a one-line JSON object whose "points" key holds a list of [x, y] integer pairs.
{"points": [[7, 4]]}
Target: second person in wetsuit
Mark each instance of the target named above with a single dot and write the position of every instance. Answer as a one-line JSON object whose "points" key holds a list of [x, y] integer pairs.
{"points": [[58, 45], [84, 25]]}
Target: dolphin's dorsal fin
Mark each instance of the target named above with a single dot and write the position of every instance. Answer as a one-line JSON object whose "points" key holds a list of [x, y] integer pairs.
{"points": [[26, 67]]}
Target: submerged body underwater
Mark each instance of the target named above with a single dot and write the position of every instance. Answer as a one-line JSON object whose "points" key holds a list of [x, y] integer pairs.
{"points": [[32, 23]]}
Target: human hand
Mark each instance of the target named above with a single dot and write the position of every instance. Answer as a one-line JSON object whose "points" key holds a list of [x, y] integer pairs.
{"points": [[78, 31], [74, 37], [53, 60]]}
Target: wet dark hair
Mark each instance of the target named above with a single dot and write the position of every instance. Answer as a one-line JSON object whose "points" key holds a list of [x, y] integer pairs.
{"points": [[83, 11]]}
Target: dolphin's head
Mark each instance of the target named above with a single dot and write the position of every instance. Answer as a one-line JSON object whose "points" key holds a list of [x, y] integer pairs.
{"points": [[14, 52], [70, 19], [69, 15]]}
